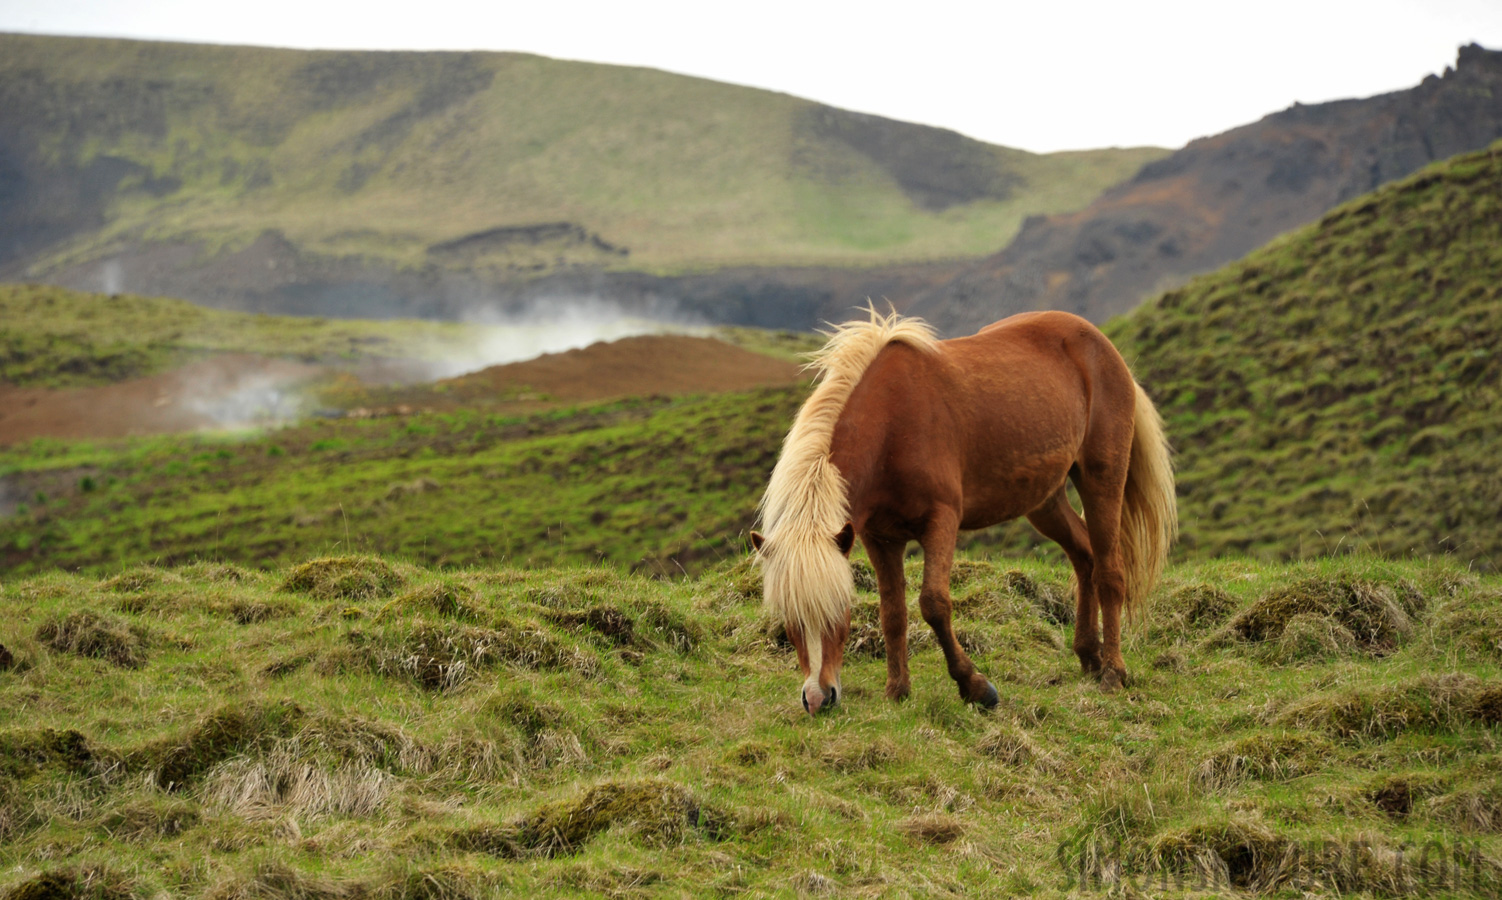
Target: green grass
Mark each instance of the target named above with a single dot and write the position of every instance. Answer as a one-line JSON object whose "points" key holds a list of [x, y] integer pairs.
{"points": [[361, 726], [666, 484], [381, 156]]}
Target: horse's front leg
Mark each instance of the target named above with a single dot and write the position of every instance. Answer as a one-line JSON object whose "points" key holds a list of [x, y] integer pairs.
{"points": [[934, 603], [886, 559]]}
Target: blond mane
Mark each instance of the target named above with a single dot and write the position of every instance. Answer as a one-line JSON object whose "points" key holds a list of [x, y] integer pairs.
{"points": [[805, 577]]}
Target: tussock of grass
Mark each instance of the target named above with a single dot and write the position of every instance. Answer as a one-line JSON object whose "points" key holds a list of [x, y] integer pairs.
{"points": [[150, 818], [1427, 703], [1396, 795], [450, 598], [345, 578], [181, 760], [1370, 615], [1264, 757], [657, 813], [91, 882], [933, 829], [442, 657], [26, 751], [1010, 745], [85, 633]]}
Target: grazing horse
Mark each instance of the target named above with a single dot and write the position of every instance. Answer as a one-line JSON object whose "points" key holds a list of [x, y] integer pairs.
{"points": [[909, 438]]}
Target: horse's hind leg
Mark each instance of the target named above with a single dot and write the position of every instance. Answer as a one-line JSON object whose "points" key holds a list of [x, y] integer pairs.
{"points": [[1057, 521], [934, 603], [1101, 488], [886, 559]]}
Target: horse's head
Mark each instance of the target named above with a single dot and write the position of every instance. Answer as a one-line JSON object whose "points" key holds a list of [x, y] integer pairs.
{"points": [[806, 579]]}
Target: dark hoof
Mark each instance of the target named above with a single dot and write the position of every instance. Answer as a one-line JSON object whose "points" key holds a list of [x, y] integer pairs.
{"points": [[990, 698], [1111, 681]]}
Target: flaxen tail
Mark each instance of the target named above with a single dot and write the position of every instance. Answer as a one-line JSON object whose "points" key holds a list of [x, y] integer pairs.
{"points": [[1149, 513]]}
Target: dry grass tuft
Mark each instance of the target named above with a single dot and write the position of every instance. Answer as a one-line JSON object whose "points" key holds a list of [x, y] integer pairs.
{"points": [[277, 881], [1009, 744], [1474, 807], [443, 657], [344, 578], [932, 829], [856, 755], [87, 634], [1263, 757], [149, 819]]}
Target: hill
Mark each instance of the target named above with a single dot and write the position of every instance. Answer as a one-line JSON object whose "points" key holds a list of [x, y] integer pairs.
{"points": [[1222, 197], [1344, 383], [378, 184], [360, 727]]}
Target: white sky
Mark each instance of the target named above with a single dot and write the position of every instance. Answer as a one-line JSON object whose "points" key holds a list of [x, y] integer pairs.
{"points": [[1041, 75]]}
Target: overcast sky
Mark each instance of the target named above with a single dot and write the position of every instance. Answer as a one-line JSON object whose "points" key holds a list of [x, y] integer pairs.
{"points": [[1041, 75]]}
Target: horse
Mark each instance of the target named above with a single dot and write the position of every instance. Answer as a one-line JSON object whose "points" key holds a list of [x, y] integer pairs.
{"points": [[910, 438]]}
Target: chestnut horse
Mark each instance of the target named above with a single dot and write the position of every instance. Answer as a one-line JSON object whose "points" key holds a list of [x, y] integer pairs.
{"points": [[909, 438]]}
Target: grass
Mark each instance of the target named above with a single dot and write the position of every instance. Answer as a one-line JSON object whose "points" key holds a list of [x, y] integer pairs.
{"points": [[658, 749], [663, 484], [395, 157]]}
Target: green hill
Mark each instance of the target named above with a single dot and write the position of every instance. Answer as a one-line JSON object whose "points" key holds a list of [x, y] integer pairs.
{"points": [[503, 164], [354, 727], [1344, 384]]}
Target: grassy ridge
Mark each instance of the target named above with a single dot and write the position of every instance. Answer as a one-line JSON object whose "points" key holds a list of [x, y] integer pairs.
{"points": [[354, 727], [1344, 383], [388, 155]]}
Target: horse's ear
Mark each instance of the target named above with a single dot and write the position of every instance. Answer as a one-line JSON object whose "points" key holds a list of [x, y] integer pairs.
{"points": [[757, 540], [845, 540]]}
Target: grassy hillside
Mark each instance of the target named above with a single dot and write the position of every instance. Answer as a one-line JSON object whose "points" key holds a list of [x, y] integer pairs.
{"points": [[628, 483], [1344, 384], [354, 727], [499, 161]]}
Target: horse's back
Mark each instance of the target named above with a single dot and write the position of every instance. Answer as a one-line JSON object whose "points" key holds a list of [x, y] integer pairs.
{"points": [[990, 423]]}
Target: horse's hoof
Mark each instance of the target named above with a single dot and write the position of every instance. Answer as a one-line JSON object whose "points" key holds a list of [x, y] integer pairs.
{"points": [[1110, 681], [990, 698]]}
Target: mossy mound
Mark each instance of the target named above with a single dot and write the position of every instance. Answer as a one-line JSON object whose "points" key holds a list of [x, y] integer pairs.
{"points": [[1434, 703], [345, 578], [141, 579], [449, 598], [1473, 807], [1398, 794], [1242, 853], [88, 634], [1373, 613], [656, 813], [178, 761], [27, 751], [81, 883], [442, 656], [1193, 608]]}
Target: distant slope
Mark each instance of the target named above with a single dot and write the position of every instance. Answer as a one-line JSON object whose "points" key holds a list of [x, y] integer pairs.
{"points": [[257, 177], [1220, 197], [1343, 385]]}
